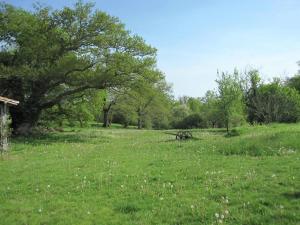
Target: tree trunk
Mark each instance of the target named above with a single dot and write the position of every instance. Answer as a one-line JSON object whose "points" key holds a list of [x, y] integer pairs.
{"points": [[24, 120], [140, 123], [106, 118], [140, 119], [227, 127], [81, 123]]}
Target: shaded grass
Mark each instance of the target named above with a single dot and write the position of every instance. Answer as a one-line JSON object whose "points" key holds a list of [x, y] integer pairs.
{"points": [[117, 176]]}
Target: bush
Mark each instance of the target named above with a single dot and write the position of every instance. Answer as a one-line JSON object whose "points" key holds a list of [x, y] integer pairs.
{"points": [[191, 121], [233, 133]]}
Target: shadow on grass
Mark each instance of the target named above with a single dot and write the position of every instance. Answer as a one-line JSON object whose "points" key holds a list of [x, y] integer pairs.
{"points": [[58, 138], [182, 140], [127, 208], [292, 195]]}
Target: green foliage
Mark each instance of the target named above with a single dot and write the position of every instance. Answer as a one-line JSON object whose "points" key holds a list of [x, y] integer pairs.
{"points": [[179, 112], [191, 121], [81, 109], [210, 110], [294, 82], [231, 105], [194, 104], [148, 100], [277, 103], [75, 49]]}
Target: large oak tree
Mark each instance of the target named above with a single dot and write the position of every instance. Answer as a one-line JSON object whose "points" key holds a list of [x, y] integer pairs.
{"points": [[48, 55]]}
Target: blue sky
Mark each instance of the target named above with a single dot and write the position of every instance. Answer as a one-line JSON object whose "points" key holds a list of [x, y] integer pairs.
{"points": [[195, 38]]}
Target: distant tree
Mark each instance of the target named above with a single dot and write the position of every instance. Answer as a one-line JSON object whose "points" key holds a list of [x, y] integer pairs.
{"points": [[148, 96], [194, 104], [47, 56], [179, 112], [110, 99], [231, 105], [183, 100], [124, 113], [191, 121], [81, 108], [251, 95], [294, 82], [277, 103], [210, 109]]}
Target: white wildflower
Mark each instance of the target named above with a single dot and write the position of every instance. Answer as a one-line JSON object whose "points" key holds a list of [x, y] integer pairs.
{"points": [[217, 215]]}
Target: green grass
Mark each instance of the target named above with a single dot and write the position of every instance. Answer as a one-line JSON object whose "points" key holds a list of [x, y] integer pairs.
{"points": [[128, 177]]}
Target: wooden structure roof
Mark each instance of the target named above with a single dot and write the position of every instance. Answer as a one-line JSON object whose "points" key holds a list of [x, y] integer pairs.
{"points": [[8, 101]]}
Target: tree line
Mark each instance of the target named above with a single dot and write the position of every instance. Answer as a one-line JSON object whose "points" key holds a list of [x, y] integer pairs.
{"points": [[79, 65]]}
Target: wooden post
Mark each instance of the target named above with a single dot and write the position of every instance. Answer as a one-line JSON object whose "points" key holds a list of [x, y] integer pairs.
{"points": [[3, 127]]}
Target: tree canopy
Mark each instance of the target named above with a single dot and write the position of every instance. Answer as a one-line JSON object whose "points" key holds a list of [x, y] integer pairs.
{"points": [[49, 55]]}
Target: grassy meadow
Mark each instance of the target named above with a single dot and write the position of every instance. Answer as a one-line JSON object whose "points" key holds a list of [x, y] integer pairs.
{"points": [[136, 177]]}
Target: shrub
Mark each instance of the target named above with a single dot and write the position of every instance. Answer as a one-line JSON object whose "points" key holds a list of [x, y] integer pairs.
{"points": [[233, 133], [191, 121]]}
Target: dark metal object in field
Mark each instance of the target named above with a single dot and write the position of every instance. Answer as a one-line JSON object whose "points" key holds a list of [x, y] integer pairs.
{"points": [[4, 126], [182, 135]]}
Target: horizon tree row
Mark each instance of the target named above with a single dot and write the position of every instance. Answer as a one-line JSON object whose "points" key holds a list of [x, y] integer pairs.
{"points": [[80, 65]]}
